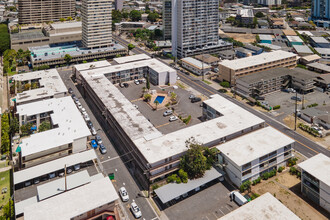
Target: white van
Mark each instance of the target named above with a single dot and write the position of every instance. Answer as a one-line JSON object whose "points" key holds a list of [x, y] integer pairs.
{"points": [[238, 198]]}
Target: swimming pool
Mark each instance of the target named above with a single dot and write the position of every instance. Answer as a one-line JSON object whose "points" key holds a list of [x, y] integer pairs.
{"points": [[160, 99]]}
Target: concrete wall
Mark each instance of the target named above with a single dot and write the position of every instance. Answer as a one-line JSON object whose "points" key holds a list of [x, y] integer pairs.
{"points": [[79, 145], [325, 196]]}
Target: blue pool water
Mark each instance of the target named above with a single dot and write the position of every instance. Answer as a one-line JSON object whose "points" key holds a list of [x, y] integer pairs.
{"points": [[160, 99]]}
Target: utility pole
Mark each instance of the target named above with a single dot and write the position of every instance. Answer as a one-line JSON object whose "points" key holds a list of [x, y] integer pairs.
{"points": [[66, 188], [295, 112]]}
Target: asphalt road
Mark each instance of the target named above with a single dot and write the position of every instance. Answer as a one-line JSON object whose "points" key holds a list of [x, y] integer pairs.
{"points": [[111, 161], [303, 145]]}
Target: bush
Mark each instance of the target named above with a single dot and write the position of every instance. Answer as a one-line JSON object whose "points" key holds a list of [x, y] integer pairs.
{"points": [[187, 120], [272, 173], [265, 176], [183, 175], [276, 107], [154, 187], [280, 169], [254, 196], [245, 186], [293, 171], [312, 105], [223, 90], [225, 84], [292, 161]]}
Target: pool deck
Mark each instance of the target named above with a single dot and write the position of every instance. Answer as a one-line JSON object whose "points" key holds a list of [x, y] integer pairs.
{"points": [[167, 99]]}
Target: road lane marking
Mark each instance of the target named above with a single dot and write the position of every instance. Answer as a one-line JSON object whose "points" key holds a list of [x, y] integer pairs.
{"points": [[110, 159]]}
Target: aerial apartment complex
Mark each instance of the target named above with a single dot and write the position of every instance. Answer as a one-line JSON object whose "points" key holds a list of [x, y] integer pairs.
{"points": [[195, 27], [230, 70], [167, 19], [36, 11], [315, 180], [321, 12], [96, 23]]}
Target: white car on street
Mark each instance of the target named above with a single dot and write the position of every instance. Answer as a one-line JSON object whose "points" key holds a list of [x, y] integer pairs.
{"points": [[173, 118], [86, 117], [136, 82], [136, 210], [123, 194]]}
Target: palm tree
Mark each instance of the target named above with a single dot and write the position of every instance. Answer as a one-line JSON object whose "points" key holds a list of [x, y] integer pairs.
{"points": [[156, 103]]}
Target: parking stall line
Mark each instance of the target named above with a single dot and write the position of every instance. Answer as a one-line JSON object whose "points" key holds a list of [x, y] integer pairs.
{"points": [[221, 211], [162, 125]]}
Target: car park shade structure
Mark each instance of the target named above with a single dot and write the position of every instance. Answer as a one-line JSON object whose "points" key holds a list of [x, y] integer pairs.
{"points": [[173, 190]]}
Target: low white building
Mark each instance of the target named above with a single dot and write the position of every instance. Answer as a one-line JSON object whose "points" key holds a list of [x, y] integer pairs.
{"points": [[249, 156], [85, 202], [315, 180], [133, 67], [195, 66], [48, 82], [68, 133], [264, 207]]}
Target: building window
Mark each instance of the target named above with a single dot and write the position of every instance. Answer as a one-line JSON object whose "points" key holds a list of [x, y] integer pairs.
{"points": [[246, 172]]}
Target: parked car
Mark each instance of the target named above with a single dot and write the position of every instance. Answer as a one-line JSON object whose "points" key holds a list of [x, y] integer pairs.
{"points": [[83, 110], [98, 139], [126, 85], [79, 105], [173, 118], [260, 98], [192, 96], [143, 80], [93, 131], [168, 112], [76, 100], [121, 85], [296, 98], [94, 144], [291, 90], [102, 149], [51, 175], [36, 180], [70, 90], [238, 198], [196, 99], [89, 124], [136, 82], [136, 210], [76, 167], [68, 170], [73, 96], [123, 194], [86, 117]]}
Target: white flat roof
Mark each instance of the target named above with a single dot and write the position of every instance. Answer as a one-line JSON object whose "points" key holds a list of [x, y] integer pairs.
{"points": [[257, 59], [154, 64], [194, 62], [320, 40], [308, 33], [265, 37], [318, 166], [57, 186], [74, 202], [19, 206], [322, 50], [294, 39], [71, 125], [63, 25], [234, 119], [302, 49], [131, 120], [128, 59], [264, 207], [92, 65], [54, 165], [50, 85], [256, 144]]}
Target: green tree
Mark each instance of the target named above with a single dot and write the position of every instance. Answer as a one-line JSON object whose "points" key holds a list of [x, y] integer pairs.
{"points": [[4, 38], [5, 143], [156, 103], [62, 19], [135, 15], [148, 83], [183, 175], [69, 18], [124, 14], [67, 58], [225, 84], [259, 14], [8, 210], [147, 97], [14, 125], [27, 86], [116, 16], [194, 162], [173, 95], [153, 16], [34, 85], [44, 126], [26, 129], [130, 46]]}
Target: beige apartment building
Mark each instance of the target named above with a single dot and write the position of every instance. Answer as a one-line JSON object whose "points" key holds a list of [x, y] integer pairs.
{"points": [[35, 11], [96, 23], [229, 70]]}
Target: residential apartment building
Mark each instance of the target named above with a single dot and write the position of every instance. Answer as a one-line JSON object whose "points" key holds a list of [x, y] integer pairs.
{"points": [[229, 70], [320, 41], [134, 67], [315, 180], [265, 206], [96, 23], [35, 11], [195, 27], [119, 4], [44, 84], [95, 200], [208, 59], [245, 16], [248, 157], [321, 12], [324, 52], [269, 2], [68, 133], [128, 25], [149, 153], [195, 66], [272, 80], [167, 19]]}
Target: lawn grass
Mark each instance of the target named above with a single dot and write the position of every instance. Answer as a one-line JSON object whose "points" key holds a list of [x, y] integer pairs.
{"points": [[4, 182], [3, 164]]}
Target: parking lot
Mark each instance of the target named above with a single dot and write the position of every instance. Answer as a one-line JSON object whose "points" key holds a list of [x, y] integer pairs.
{"points": [[208, 204], [288, 105], [183, 108]]}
